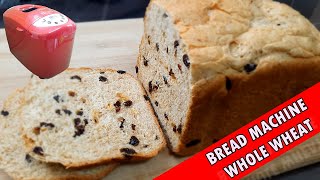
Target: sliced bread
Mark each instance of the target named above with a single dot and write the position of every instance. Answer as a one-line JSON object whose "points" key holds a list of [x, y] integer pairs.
{"points": [[19, 164], [84, 117], [210, 67]]}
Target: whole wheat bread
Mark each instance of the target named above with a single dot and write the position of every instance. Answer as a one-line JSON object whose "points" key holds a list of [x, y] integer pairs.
{"points": [[19, 164], [210, 67], [84, 117]]}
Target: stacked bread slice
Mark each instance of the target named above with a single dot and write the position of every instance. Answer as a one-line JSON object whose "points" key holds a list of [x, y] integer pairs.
{"points": [[77, 125]]}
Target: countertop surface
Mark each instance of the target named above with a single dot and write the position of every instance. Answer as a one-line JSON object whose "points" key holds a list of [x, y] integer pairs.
{"points": [[112, 44]]}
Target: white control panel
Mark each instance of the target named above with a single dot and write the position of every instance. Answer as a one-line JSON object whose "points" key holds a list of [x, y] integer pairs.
{"points": [[51, 20]]}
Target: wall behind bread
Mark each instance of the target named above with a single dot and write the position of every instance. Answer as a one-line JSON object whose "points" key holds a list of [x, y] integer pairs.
{"points": [[94, 10]]}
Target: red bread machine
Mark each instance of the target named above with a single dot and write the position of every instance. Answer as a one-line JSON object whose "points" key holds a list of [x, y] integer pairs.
{"points": [[40, 38]]}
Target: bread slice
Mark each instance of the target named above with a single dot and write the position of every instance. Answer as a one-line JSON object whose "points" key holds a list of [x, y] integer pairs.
{"points": [[210, 67], [19, 164], [84, 117]]}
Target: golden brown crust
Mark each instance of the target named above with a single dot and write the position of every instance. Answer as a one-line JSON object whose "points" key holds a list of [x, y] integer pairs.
{"points": [[215, 111], [223, 36]]}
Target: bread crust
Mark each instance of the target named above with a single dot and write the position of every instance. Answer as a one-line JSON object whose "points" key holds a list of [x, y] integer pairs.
{"points": [[97, 176], [216, 111]]}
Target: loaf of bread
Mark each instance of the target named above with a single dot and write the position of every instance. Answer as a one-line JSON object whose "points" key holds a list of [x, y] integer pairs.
{"points": [[210, 67], [84, 117], [19, 164]]}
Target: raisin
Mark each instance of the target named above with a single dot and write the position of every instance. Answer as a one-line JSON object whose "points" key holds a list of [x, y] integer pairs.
{"points": [[71, 93], [166, 116], [76, 77], [57, 98], [145, 146], [157, 137], [171, 72], [146, 97], [134, 141], [122, 120], [76, 122], [137, 69], [86, 121], [133, 127], [176, 44], [250, 67], [157, 46], [165, 15], [127, 103], [4, 113], [58, 111], [79, 112], [102, 72], [66, 111], [128, 151], [156, 103], [150, 87], [145, 61], [193, 143], [44, 124], [38, 150], [28, 158], [117, 105], [174, 128], [79, 127], [167, 50], [179, 66], [228, 84], [36, 130], [79, 130], [165, 80], [102, 79], [155, 87], [121, 72], [186, 60], [121, 125], [179, 129]]}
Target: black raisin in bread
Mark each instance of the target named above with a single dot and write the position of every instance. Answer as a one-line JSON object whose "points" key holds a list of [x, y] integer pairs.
{"points": [[19, 164], [84, 117], [210, 67]]}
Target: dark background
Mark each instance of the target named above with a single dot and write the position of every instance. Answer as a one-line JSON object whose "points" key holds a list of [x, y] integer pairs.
{"points": [[94, 10]]}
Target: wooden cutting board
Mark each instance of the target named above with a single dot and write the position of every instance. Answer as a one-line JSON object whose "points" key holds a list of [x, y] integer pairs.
{"points": [[114, 44]]}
